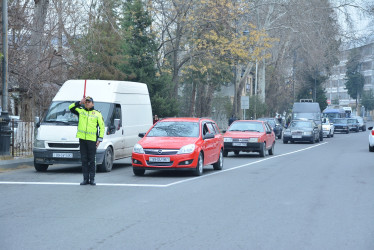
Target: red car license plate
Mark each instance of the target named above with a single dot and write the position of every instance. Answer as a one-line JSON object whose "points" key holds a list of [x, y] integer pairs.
{"points": [[159, 159]]}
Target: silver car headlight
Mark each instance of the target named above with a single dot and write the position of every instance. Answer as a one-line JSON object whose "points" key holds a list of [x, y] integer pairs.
{"points": [[188, 149], [39, 143], [287, 132], [138, 149]]}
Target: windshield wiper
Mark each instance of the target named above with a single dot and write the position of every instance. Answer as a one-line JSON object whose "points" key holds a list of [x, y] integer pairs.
{"points": [[63, 122]]}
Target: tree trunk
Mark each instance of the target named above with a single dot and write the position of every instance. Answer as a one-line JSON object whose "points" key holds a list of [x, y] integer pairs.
{"points": [[192, 100]]}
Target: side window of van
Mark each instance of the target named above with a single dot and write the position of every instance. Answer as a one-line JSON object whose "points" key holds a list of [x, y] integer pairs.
{"points": [[116, 114]]}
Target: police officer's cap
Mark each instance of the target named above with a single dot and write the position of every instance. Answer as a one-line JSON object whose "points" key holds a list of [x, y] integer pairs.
{"points": [[89, 98]]}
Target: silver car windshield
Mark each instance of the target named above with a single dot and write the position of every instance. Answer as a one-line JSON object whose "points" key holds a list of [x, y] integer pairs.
{"points": [[301, 124]]}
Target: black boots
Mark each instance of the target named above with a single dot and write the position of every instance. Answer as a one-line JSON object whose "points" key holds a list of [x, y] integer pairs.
{"points": [[91, 182], [84, 182]]}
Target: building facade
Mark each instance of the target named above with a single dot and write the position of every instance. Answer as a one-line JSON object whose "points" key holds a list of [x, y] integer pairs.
{"points": [[335, 85]]}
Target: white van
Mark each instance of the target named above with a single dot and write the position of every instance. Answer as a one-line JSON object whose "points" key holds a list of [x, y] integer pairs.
{"points": [[126, 109]]}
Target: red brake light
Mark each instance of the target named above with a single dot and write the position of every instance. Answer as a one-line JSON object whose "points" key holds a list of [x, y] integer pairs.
{"points": [[372, 132]]}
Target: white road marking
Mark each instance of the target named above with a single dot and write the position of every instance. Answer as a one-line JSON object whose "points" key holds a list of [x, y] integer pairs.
{"points": [[159, 185]]}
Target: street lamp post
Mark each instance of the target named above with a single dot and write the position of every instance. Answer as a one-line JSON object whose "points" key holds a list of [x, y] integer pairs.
{"points": [[4, 118]]}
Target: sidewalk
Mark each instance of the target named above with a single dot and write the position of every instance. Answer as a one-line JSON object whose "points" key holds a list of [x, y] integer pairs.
{"points": [[13, 163]]}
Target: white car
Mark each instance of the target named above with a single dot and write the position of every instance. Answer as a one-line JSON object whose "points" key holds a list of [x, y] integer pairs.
{"points": [[371, 139], [328, 127]]}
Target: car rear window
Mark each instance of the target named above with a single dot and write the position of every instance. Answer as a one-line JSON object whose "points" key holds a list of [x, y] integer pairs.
{"points": [[175, 129]]}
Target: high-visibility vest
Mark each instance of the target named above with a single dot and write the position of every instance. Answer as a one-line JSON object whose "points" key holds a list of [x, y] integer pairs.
{"points": [[88, 122]]}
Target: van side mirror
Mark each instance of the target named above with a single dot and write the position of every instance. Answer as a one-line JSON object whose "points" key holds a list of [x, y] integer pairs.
{"points": [[141, 135], [37, 121], [117, 123]]}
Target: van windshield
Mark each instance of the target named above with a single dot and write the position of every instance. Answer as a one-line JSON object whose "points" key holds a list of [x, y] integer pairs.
{"points": [[59, 112]]}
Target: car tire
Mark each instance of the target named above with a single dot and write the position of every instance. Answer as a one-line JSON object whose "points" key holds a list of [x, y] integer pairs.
{"points": [[320, 137], [263, 150], [225, 153], [371, 148], [236, 152], [347, 131], [200, 165], [138, 171], [313, 140], [364, 128], [41, 167], [219, 164], [271, 150], [107, 164]]}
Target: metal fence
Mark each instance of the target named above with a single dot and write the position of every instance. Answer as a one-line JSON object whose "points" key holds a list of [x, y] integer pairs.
{"points": [[22, 138]]}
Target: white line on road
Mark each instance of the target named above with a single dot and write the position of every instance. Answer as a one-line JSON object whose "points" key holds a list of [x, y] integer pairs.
{"points": [[158, 185]]}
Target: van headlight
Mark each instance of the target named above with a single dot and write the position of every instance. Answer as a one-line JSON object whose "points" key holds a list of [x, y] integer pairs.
{"points": [[39, 143], [138, 149], [227, 139], [188, 149]]}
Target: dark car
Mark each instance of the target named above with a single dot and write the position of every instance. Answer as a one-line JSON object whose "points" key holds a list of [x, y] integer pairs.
{"points": [[301, 130], [342, 125], [275, 125], [354, 124], [362, 123]]}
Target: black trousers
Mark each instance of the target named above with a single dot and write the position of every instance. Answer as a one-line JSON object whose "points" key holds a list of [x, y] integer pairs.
{"points": [[88, 157]]}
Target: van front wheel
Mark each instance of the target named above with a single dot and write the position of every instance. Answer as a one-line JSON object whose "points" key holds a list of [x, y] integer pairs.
{"points": [[107, 164], [40, 167]]}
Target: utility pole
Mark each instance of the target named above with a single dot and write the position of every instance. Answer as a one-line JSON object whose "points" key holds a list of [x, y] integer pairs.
{"points": [[4, 118]]}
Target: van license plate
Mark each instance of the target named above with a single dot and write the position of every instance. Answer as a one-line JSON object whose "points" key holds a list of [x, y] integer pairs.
{"points": [[159, 159], [239, 144], [63, 155]]}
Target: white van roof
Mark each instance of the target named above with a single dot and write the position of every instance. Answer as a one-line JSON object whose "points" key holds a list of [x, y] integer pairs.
{"points": [[101, 90]]}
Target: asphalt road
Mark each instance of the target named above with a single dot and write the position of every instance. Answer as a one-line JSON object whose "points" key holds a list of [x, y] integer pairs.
{"points": [[306, 196]]}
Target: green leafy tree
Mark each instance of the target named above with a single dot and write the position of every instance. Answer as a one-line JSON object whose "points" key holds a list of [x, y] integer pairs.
{"points": [[312, 88], [101, 45], [354, 79], [368, 100], [140, 51]]}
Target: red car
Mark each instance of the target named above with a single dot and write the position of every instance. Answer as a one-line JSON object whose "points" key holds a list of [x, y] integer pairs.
{"points": [[179, 143], [249, 136]]}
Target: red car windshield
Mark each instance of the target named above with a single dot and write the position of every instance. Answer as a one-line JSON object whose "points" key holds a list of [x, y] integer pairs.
{"points": [[175, 129], [247, 126]]}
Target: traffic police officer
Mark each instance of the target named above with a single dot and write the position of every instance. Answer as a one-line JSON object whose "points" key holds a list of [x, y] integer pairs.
{"points": [[89, 120]]}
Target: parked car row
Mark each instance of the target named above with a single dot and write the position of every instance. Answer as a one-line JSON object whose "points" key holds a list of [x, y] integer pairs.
{"points": [[192, 143]]}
